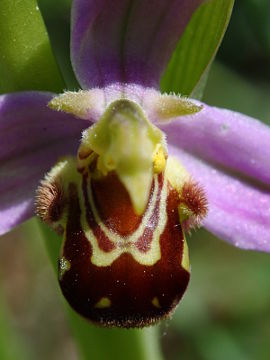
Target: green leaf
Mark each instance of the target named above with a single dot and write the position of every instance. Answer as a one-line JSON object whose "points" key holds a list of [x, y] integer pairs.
{"points": [[56, 15], [197, 48], [26, 58]]}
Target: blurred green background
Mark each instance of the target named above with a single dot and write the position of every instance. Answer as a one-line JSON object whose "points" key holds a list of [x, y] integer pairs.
{"points": [[225, 313]]}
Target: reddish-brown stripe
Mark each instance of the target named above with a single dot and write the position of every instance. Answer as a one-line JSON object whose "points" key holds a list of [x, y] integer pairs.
{"points": [[144, 242], [104, 242]]}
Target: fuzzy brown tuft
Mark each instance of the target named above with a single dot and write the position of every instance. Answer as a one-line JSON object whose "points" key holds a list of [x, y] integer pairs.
{"points": [[50, 201], [194, 198]]}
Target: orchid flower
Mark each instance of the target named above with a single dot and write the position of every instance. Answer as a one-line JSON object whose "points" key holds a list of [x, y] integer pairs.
{"points": [[148, 166]]}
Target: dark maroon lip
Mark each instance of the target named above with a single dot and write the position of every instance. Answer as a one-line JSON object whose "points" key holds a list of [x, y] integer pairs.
{"points": [[138, 295]]}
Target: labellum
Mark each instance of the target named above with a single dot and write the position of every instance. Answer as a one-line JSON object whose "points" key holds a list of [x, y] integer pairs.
{"points": [[122, 207]]}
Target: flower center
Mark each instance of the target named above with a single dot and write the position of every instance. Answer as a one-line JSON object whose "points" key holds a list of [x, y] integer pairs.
{"points": [[124, 141], [122, 206]]}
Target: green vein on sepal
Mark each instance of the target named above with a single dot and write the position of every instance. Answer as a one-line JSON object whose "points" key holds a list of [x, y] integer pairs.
{"points": [[197, 48]]}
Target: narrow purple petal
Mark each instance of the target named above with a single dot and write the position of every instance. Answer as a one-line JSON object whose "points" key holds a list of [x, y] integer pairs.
{"points": [[226, 138], [239, 211], [32, 138], [126, 41]]}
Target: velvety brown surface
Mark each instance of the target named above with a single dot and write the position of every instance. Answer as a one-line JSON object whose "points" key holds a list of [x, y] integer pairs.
{"points": [[113, 204]]}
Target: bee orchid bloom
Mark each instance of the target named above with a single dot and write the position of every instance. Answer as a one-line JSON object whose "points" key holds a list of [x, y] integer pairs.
{"points": [[120, 170]]}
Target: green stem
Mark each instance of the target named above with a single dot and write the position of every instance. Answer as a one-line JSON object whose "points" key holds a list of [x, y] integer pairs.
{"points": [[102, 343]]}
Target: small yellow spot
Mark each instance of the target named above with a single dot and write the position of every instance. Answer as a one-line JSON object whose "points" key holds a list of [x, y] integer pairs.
{"points": [[159, 160], [103, 303], [64, 266], [156, 303]]}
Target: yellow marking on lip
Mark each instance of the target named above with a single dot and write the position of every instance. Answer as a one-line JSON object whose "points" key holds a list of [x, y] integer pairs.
{"points": [[103, 303], [101, 258], [156, 303]]}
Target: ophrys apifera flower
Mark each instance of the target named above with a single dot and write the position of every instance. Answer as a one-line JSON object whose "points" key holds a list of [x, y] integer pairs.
{"points": [[148, 166]]}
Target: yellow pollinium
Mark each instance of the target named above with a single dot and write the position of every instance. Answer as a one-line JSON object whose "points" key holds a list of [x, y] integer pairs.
{"points": [[159, 161]]}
